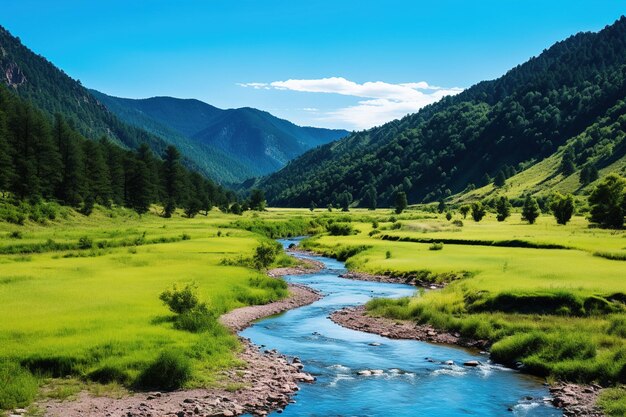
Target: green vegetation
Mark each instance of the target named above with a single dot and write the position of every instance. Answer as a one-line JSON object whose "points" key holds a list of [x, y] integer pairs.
{"points": [[560, 111], [114, 315], [545, 297]]}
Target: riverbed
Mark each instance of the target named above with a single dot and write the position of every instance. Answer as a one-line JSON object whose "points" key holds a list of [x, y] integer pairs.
{"points": [[405, 378]]}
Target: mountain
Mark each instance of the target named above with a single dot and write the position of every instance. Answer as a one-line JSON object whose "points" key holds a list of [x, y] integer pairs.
{"points": [[569, 99], [254, 141], [160, 121]]}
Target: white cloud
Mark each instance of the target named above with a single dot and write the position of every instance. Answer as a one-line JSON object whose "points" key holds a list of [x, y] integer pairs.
{"points": [[385, 101]]}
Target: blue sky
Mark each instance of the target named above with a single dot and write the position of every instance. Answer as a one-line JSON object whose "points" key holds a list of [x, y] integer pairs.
{"points": [[349, 64]]}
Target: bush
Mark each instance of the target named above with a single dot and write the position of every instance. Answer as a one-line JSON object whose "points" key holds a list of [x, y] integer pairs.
{"points": [[180, 300], [85, 242], [478, 211], [196, 320], [340, 229], [374, 232], [16, 234], [436, 246], [108, 374], [562, 207], [18, 387], [458, 223], [170, 371], [388, 254], [265, 254]]}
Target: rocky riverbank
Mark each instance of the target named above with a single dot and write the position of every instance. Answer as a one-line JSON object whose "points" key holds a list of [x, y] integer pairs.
{"points": [[266, 382], [355, 318], [573, 399]]}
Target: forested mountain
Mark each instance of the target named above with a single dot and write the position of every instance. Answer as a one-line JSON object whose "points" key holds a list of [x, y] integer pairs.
{"points": [[244, 142], [493, 129], [47, 160]]}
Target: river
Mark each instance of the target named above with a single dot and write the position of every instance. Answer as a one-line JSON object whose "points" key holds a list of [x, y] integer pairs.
{"points": [[409, 385]]}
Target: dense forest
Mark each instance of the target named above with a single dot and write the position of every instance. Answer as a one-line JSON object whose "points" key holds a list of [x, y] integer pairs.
{"points": [[47, 160], [489, 132]]}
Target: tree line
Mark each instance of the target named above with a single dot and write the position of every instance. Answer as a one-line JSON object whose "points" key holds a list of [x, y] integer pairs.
{"points": [[48, 159]]}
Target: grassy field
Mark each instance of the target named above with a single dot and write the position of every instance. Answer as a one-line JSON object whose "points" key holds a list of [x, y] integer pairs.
{"points": [[560, 313], [81, 294], [93, 311]]}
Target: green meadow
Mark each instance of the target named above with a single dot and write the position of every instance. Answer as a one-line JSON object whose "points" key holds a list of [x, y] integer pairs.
{"points": [[553, 312], [79, 297]]}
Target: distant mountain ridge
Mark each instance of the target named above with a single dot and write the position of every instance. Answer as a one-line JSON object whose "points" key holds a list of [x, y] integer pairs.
{"points": [[161, 121], [253, 139], [570, 96]]}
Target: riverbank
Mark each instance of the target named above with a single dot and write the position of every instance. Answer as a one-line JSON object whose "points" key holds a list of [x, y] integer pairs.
{"points": [[574, 399], [265, 383]]}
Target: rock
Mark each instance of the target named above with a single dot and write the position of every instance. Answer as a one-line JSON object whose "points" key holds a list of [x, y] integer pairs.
{"points": [[377, 371], [374, 344], [471, 363], [449, 363], [364, 373]]}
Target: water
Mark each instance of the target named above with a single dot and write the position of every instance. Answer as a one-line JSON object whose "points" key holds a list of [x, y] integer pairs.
{"points": [[409, 384]]}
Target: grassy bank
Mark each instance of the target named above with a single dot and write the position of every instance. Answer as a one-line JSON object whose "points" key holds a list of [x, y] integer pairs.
{"points": [[79, 297], [554, 312]]}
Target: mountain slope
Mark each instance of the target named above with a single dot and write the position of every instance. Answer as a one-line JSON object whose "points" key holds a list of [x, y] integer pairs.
{"points": [[252, 140], [506, 124]]}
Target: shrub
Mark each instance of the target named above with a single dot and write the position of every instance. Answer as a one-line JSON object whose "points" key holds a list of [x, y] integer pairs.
{"points": [[458, 223], [562, 207], [85, 242], [374, 232], [16, 234], [436, 246], [448, 216], [169, 371], [265, 254], [197, 319], [617, 326], [478, 211], [185, 236], [340, 229], [108, 374], [530, 211], [18, 387], [388, 254], [180, 300]]}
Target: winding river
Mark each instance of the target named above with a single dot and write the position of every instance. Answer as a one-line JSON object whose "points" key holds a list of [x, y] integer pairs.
{"points": [[409, 384]]}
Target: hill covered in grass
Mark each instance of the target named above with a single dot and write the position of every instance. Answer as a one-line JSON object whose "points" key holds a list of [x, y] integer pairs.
{"points": [[571, 95]]}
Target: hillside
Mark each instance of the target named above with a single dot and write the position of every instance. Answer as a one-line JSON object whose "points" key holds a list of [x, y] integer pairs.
{"points": [[463, 142], [244, 142]]}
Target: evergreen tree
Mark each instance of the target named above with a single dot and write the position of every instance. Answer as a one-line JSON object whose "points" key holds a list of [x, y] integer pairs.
{"points": [[562, 207], [97, 173], [500, 179], [370, 198], [257, 200], [400, 202], [567, 163], [138, 186], [588, 174], [72, 187], [6, 160], [441, 207], [312, 206], [115, 162], [530, 211], [344, 200], [608, 202], [171, 180], [478, 211], [503, 209]]}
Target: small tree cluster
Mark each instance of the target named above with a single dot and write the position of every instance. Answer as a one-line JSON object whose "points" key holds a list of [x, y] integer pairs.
{"points": [[562, 207]]}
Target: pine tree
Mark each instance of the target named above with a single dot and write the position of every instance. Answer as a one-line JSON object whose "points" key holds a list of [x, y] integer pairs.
{"points": [[138, 186], [97, 174], [115, 162], [171, 180], [400, 202], [257, 200], [500, 179], [567, 163], [370, 198], [6, 160], [530, 211]]}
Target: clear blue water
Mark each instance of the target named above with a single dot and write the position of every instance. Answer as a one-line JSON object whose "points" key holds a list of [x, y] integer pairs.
{"points": [[410, 385]]}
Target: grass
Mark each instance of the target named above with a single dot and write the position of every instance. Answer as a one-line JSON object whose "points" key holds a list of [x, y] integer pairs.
{"points": [[86, 303], [99, 318], [559, 313]]}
